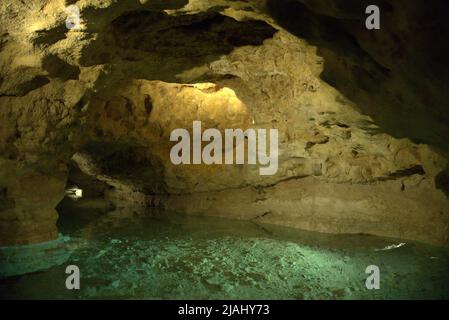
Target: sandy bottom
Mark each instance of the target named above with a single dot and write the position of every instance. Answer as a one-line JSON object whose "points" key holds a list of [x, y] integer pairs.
{"points": [[209, 258]]}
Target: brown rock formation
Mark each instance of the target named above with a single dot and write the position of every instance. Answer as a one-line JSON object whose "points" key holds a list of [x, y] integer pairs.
{"points": [[361, 114]]}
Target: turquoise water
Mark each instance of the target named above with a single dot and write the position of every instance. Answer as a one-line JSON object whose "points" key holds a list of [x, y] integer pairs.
{"points": [[181, 257]]}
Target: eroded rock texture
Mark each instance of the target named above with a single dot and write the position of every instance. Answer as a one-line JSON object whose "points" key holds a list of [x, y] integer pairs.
{"points": [[362, 115]]}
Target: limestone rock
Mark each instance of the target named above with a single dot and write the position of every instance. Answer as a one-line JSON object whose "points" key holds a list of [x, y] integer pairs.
{"points": [[361, 115]]}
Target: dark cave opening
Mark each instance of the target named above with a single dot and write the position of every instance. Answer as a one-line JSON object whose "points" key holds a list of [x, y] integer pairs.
{"points": [[77, 212]]}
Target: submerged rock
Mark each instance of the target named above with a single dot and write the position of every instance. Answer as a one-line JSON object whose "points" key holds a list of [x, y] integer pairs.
{"points": [[22, 259]]}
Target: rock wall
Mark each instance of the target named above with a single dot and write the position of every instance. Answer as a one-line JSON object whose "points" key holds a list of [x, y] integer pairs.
{"points": [[311, 204], [361, 114]]}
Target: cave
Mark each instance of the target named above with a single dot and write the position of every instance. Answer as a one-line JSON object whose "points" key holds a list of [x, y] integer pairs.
{"points": [[224, 149]]}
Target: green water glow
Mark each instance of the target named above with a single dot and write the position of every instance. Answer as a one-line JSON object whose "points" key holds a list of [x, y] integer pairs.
{"points": [[181, 257]]}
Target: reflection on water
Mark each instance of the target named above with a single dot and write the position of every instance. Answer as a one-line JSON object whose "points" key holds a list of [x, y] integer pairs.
{"points": [[182, 257]]}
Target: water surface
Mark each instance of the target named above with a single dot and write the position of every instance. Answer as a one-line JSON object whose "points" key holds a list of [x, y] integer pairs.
{"points": [[180, 257]]}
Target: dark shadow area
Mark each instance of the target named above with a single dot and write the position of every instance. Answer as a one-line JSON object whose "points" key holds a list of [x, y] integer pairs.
{"points": [[51, 36], [397, 75], [75, 214], [143, 170], [57, 68], [159, 46], [5, 201], [442, 182], [33, 84], [197, 38]]}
